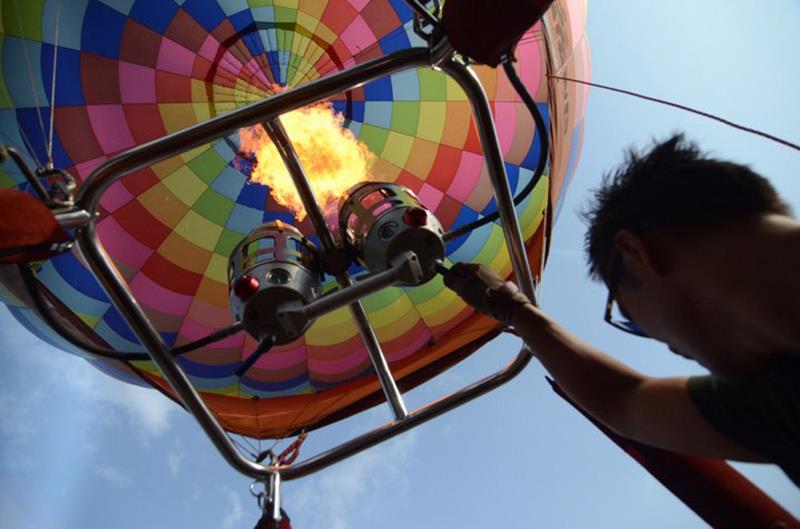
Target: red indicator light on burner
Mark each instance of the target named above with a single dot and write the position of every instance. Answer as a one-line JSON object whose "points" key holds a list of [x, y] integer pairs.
{"points": [[245, 287], [415, 217]]}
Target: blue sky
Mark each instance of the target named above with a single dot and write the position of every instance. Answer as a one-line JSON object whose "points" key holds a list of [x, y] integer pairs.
{"points": [[79, 450]]}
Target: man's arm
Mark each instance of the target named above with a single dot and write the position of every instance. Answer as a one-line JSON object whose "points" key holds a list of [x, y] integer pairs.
{"points": [[654, 411]]}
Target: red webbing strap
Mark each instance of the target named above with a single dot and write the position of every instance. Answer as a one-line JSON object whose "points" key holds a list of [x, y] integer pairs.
{"points": [[288, 456], [484, 30], [711, 488], [28, 229]]}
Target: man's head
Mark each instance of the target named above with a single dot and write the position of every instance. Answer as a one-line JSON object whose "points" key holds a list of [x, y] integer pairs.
{"points": [[646, 208]]}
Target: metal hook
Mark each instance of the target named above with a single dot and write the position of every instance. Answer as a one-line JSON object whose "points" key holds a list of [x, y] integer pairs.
{"points": [[269, 500], [260, 496]]}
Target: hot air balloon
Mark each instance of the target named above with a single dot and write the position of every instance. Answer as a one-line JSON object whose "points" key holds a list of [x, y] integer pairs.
{"points": [[210, 157], [127, 73]]}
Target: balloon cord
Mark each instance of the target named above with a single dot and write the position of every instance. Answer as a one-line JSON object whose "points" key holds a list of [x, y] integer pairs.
{"points": [[28, 145], [30, 72], [53, 88], [682, 107]]}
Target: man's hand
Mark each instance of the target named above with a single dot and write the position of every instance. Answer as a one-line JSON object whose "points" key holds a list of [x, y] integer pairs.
{"points": [[481, 287]]}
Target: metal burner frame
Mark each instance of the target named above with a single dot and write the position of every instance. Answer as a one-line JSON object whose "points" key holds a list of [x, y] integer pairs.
{"points": [[83, 217]]}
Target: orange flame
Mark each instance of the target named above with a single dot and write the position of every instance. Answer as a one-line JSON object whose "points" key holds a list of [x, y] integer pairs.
{"points": [[333, 158]]}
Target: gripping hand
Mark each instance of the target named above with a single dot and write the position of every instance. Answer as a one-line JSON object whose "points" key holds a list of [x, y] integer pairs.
{"points": [[481, 287]]}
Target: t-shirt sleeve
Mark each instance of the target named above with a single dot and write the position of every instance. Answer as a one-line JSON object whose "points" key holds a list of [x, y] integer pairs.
{"points": [[762, 413], [730, 408]]}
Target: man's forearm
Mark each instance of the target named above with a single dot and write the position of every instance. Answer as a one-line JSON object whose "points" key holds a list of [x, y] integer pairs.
{"points": [[597, 382]]}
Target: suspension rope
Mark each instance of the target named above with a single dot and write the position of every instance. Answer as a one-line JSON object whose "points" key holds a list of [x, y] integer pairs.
{"points": [[682, 107], [226, 426], [25, 142], [53, 87], [249, 443], [240, 446], [230, 435], [28, 144], [30, 73]]}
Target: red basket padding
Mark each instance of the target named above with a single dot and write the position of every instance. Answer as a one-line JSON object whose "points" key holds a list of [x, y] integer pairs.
{"points": [[484, 30], [28, 228], [714, 490]]}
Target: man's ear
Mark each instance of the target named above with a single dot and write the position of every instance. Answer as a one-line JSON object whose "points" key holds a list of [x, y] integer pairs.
{"points": [[638, 257]]}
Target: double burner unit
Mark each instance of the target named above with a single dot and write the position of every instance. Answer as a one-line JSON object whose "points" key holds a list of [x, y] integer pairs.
{"points": [[275, 273]]}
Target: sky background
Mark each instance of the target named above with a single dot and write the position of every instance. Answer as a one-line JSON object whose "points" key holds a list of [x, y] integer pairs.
{"points": [[81, 450]]}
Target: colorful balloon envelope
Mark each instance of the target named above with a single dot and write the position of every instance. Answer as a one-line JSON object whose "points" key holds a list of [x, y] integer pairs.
{"points": [[130, 71]]}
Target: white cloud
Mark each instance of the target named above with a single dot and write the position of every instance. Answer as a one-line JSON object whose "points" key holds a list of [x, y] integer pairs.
{"points": [[148, 408], [113, 475], [235, 510], [40, 367], [332, 498], [20, 427], [174, 463]]}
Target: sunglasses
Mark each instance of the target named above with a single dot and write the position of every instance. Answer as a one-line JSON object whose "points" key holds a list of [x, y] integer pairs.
{"points": [[620, 322], [614, 315]]}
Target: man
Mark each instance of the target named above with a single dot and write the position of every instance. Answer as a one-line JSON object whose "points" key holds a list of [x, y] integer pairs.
{"points": [[700, 254]]}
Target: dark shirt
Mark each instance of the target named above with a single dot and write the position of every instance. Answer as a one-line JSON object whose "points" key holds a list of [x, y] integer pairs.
{"points": [[762, 412]]}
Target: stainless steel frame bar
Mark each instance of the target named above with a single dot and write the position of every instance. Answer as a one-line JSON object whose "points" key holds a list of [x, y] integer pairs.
{"points": [[423, 13], [72, 218], [359, 289], [123, 300], [376, 356], [275, 496], [264, 111], [471, 85], [292, 162], [482, 111], [415, 418]]}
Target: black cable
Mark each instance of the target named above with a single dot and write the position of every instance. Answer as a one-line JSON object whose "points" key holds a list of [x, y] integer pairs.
{"points": [[264, 347], [215, 336], [544, 151], [33, 289], [679, 106], [7, 152]]}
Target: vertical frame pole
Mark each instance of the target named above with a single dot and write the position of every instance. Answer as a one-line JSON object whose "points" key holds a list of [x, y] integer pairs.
{"points": [[481, 110], [292, 161]]}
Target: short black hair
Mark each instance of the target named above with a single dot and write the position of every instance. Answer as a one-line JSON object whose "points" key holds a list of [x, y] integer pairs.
{"points": [[670, 188]]}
